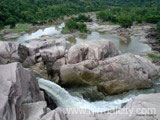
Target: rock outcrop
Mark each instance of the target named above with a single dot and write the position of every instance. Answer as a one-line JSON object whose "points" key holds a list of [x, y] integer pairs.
{"points": [[11, 52], [113, 75], [18, 86], [143, 107], [91, 50], [51, 52]]}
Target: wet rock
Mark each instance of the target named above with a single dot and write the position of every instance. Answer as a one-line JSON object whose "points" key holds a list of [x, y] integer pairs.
{"points": [[143, 107], [87, 93], [23, 52], [113, 75], [18, 86], [91, 50]]}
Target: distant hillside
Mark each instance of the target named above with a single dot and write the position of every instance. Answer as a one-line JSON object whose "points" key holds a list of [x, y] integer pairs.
{"points": [[38, 11]]}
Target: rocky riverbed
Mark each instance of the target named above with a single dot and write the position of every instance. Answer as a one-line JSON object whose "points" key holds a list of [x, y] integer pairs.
{"points": [[97, 69]]}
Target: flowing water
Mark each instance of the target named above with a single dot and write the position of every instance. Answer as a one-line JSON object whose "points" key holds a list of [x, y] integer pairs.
{"points": [[65, 100], [61, 96], [50, 31]]}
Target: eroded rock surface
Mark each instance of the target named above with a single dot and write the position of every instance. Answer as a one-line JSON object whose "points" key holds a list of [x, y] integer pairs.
{"points": [[11, 52], [49, 51], [113, 75], [18, 86], [91, 50]]}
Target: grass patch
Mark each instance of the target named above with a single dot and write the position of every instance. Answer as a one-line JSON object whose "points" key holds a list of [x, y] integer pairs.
{"points": [[20, 28], [65, 30], [153, 56]]}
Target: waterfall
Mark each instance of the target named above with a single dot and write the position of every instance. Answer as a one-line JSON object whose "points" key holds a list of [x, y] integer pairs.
{"points": [[64, 99]]}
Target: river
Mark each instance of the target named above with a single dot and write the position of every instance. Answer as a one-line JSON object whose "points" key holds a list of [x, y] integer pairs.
{"points": [[62, 97]]}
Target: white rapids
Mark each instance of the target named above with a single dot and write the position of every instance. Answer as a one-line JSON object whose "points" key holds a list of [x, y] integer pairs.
{"points": [[65, 100]]}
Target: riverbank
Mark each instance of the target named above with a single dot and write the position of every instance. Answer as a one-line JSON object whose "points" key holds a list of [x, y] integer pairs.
{"points": [[110, 62]]}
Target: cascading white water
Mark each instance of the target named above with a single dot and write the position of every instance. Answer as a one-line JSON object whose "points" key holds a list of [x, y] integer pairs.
{"points": [[64, 99]]}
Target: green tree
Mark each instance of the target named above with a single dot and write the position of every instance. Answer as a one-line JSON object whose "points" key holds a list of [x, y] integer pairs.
{"points": [[11, 21], [82, 27], [158, 26], [71, 24], [125, 21]]}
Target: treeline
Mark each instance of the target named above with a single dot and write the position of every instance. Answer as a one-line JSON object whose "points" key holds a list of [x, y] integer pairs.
{"points": [[127, 15], [41, 11]]}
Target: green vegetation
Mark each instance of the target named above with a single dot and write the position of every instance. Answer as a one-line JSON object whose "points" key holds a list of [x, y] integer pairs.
{"points": [[153, 56], [158, 26], [71, 25], [43, 11], [126, 15], [83, 18], [20, 27]]}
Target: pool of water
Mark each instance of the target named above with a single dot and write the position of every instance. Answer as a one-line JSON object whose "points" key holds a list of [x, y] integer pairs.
{"points": [[132, 46]]}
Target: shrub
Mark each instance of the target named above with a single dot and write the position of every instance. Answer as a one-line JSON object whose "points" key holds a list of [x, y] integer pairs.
{"points": [[65, 30], [71, 25], [106, 16], [83, 18], [125, 21], [82, 27], [153, 56]]}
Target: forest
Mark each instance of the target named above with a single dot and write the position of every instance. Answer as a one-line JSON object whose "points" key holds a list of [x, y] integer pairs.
{"points": [[124, 12]]}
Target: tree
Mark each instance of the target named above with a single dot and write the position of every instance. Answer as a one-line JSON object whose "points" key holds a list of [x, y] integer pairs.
{"points": [[71, 24], [125, 21], [82, 27], [158, 26], [11, 21]]}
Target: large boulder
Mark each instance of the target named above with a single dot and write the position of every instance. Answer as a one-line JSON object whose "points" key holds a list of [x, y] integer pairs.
{"points": [[48, 47], [143, 107], [91, 50], [18, 86], [50, 51], [11, 52], [113, 75]]}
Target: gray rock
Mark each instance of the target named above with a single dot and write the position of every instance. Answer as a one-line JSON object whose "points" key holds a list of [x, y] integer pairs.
{"points": [[51, 52], [52, 48], [11, 52], [18, 86], [34, 111], [8, 52], [113, 75], [91, 50], [143, 107]]}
